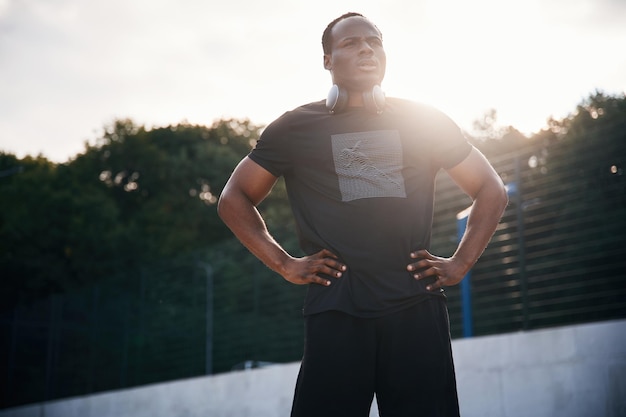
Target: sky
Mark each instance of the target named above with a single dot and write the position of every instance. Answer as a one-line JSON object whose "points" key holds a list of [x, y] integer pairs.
{"points": [[70, 68]]}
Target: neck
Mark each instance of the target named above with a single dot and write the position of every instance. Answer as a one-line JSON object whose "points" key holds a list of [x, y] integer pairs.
{"points": [[355, 99]]}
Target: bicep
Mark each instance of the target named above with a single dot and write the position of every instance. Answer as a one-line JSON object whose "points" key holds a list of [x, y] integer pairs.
{"points": [[474, 173], [250, 180]]}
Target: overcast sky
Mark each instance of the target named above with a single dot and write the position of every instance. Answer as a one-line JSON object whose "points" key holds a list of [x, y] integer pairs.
{"points": [[70, 67]]}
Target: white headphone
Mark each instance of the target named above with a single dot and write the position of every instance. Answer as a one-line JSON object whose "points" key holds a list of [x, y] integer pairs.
{"points": [[337, 100]]}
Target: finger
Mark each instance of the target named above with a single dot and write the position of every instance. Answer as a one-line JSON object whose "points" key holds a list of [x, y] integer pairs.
{"points": [[422, 253], [421, 264], [321, 281], [435, 285], [331, 267], [329, 260], [426, 273], [325, 253], [327, 270], [311, 279], [316, 276], [336, 265]]}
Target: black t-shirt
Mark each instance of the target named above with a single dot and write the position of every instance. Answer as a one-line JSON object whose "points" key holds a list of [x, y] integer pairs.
{"points": [[361, 185]]}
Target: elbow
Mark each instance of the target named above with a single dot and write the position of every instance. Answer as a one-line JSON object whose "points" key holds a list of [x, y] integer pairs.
{"points": [[502, 197], [222, 206], [494, 194], [505, 199], [232, 205]]}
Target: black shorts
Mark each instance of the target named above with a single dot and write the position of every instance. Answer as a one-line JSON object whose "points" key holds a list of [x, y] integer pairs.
{"points": [[404, 358]]}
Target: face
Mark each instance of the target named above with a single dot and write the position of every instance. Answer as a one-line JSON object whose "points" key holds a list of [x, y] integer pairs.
{"points": [[357, 59]]}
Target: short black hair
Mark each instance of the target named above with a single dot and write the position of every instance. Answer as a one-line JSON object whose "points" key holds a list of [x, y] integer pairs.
{"points": [[326, 40]]}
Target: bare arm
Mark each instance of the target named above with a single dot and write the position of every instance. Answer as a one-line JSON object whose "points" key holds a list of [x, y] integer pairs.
{"points": [[247, 187], [476, 177]]}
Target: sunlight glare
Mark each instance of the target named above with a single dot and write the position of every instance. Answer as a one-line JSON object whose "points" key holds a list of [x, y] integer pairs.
{"points": [[475, 56]]}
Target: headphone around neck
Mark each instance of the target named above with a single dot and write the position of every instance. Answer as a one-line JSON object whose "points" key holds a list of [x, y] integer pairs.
{"points": [[337, 100]]}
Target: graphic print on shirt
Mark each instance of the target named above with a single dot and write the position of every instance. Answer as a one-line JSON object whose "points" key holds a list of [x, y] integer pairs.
{"points": [[369, 164]]}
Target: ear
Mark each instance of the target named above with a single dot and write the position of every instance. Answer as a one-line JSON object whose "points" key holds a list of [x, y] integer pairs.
{"points": [[327, 64]]}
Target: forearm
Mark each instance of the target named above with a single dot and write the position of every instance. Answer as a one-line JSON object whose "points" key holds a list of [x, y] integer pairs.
{"points": [[246, 223], [487, 209]]}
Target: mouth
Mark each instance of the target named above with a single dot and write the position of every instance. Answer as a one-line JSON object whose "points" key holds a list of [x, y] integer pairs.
{"points": [[367, 65]]}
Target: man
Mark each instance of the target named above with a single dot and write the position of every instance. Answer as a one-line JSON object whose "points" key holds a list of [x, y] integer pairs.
{"points": [[359, 171]]}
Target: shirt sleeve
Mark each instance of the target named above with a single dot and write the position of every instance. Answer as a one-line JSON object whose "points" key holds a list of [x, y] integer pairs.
{"points": [[446, 140], [272, 148]]}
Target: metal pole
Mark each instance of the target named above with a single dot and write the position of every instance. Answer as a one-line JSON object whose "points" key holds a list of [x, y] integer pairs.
{"points": [[52, 346], [13, 351], [519, 211], [208, 269], [466, 290]]}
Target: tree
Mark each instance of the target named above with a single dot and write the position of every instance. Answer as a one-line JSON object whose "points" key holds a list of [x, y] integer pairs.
{"points": [[135, 197], [495, 140]]}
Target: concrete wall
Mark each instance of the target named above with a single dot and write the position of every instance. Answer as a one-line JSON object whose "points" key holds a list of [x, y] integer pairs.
{"points": [[577, 371]]}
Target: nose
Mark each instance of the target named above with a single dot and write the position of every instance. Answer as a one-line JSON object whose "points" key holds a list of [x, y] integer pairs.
{"points": [[365, 47]]}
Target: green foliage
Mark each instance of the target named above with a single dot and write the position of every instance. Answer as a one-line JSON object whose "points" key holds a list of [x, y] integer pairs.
{"points": [[588, 151], [166, 181], [134, 198], [32, 226]]}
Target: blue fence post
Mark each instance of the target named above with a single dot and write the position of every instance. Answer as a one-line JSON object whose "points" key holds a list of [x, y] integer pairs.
{"points": [[466, 290]]}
